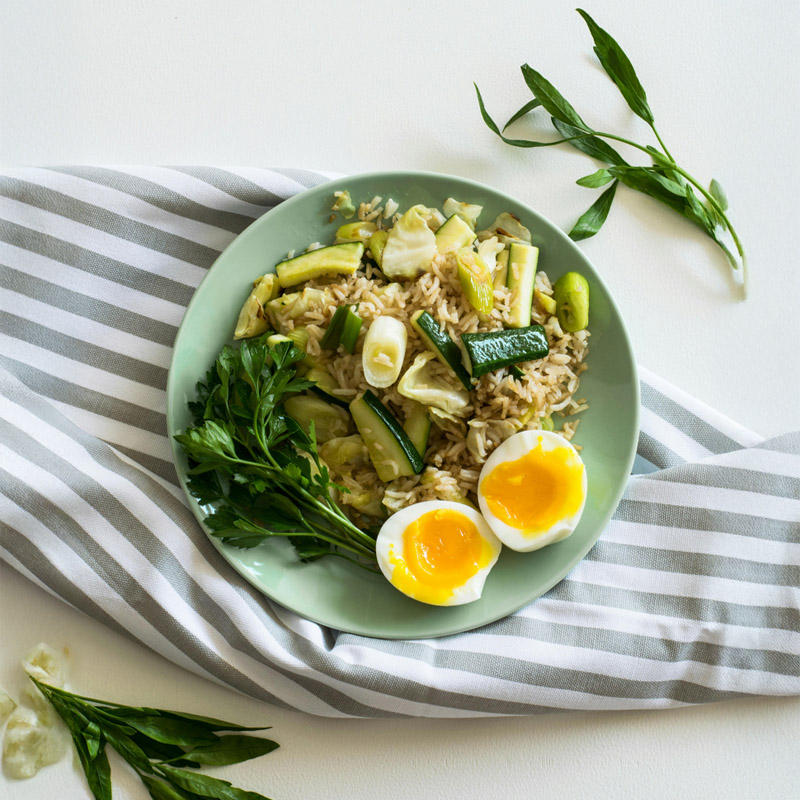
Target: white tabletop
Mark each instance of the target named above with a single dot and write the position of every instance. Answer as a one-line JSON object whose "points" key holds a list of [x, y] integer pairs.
{"points": [[361, 87]]}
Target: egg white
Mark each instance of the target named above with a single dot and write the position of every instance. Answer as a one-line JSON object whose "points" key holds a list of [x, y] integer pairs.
{"points": [[515, 447], [390, 542]]}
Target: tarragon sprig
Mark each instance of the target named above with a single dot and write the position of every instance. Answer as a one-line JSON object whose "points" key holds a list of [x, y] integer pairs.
{"points": [[664, 179], [157, 744]]}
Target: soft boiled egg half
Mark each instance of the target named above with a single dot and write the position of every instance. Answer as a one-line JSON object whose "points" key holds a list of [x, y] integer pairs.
{"points": [[532, 490], [437, 552]]}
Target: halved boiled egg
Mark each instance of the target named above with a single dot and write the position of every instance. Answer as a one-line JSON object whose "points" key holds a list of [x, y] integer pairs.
{"points": [[532, 490], [437, 552]]}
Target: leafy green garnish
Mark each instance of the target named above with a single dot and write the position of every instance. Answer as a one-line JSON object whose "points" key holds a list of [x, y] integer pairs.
{"points": [[156, 743], [256, 467], [664, 180]]}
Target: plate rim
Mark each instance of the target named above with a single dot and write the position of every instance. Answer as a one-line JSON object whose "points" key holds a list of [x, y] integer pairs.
{"points": [[177, 454]]}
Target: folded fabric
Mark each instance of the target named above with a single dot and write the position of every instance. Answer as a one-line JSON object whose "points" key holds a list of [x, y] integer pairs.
{"points": [[689, 596]]}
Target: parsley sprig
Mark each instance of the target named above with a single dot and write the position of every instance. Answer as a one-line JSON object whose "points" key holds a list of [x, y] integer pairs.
{"points": [[157, 744], [256, 467], [664, 179]]}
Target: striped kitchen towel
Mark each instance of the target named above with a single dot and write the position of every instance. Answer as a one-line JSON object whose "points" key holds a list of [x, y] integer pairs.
{"points": [[690, 595]]}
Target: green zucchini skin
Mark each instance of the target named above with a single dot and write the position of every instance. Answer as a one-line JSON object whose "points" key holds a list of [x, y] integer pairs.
{"points": [[391, 451], [418, 428], [336, 259], [495, 349], [447, 351]]}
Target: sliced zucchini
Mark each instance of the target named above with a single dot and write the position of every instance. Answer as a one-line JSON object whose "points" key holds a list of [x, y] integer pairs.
{"points": [[418, 427], [489, 351], [325, 384], [338, 259], [391, 451], [454, 234], [520, 279], [516, 372], [438, 341]]}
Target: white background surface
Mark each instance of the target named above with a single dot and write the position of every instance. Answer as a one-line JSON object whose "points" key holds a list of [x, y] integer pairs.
{"points": [[357, 87]]}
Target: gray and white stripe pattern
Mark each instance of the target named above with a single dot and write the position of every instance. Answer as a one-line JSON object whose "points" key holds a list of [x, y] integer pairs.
{"points": [[690, 595]]}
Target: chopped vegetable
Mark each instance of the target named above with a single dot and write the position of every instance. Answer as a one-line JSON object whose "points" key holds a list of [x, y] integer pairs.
{"points": [[421, 384], [355, 232], [296, 304], [489, 351], [572, 301], [476, 280], [333, 333], [546, 424], [507, 228], [377, 243], [391, 451], [454, 234], [330, 422], [384, 351], [545, 301], [418, 427], [489, 249], [7, 705], [501, 271], [438, 340], [447, 422], [469, 213], [520, 279], [350, 330], [325, 385], [410, 246], [338, 259], [252, 319], [343, 204], [516, 372], [345, 452]]}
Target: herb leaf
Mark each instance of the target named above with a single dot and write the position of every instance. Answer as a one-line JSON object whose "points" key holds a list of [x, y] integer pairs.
{"points": [[551, 99], [232, 750], [718, 193], [492, 125], [591, 145], [596, 179], [206, 786], [619, 69], [592, 220], [161, 736], [529, 106]]}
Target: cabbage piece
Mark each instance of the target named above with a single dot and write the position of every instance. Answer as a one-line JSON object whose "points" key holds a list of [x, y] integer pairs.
{"points": [[469, 213], [476, 441], [295, 304], [45, 664], [433, 217], [410, 246], [420, 383], [488, 250], [366, 503], [252, 319], [345, 452], [507, 229], [330, 421], [449, 423], [376, 244]]}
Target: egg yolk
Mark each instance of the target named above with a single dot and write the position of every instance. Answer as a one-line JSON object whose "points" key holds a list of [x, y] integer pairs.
{"points": [[536, 491], [442, 550]]}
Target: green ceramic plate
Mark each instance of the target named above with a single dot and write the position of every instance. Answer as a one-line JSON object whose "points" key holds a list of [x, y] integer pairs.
{"points": [[333, 592]]}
